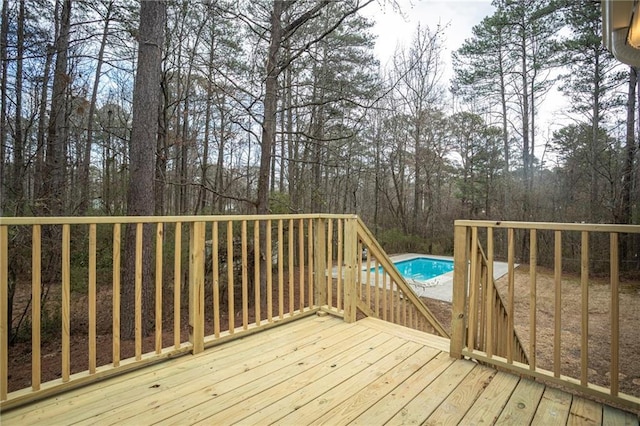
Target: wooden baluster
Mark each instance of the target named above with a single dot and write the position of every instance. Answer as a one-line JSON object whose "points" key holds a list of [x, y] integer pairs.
{"points": [[66, 303], [159, 276], [215, 271], [533, 262], [367, 277], [377, 289], [330, 263], [615, 313], [301, 263], [256, 266], [391, 301], [230, 284], [36, 289], [473, 291], [351, 262], [92, 298], [4, 307], [290, 264], [339, 261], [269, 272], [405, 306], [116, 294], [558, 303], [320, 263], [245, 277], [177, 273], [280, 270], [138, 292], [511, 297], [310, 265], [384, 296], [196, 286], [489, 295], [584, 282]]}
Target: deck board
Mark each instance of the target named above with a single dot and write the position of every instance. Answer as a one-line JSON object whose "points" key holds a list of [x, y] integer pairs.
{"points": [[428, 400], [394, 401], [491, 402], [358, 402], [553, 409], [319, 370], [453, 409], [522, 405], [294, 391]]}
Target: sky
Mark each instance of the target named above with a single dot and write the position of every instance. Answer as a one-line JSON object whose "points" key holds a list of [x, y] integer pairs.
{"points": [[457, 17]]}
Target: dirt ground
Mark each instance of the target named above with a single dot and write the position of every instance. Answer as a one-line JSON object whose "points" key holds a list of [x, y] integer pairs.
{"points": [[599, 331], [599, 343]]}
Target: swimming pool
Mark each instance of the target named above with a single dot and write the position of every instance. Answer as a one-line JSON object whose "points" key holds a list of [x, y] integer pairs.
{"points": [[423, 268]]}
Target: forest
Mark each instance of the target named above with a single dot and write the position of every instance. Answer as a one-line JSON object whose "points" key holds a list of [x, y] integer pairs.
{"points": [[174, 107]]}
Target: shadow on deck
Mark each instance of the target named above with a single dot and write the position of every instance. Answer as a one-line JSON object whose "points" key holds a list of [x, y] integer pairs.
{"points": [[316, 370]]}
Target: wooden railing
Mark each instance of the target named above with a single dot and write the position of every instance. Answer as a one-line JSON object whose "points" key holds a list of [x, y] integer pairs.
{"points": [[484, 323], [212, 279], [490, 327], [382, 292]]}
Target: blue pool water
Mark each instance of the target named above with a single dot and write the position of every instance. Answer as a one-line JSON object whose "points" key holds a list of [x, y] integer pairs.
{"points": [[422, 268]]}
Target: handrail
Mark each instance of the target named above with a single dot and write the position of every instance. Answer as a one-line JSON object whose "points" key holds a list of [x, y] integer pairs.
{"points": [[493, 297], [223, 262], [484, 322], [552, 226], [375, 250], [231, 274]]}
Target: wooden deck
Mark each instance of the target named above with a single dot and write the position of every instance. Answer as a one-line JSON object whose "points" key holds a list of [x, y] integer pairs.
{"points": [[319, 370]]}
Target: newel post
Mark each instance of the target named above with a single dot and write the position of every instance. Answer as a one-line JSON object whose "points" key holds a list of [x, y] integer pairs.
{"points": [[320, 262], [460, 285], [351, 269], [196, 286]]}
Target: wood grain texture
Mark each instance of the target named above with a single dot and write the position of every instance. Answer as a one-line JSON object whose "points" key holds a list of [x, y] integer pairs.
{"points": [[318, 370]]}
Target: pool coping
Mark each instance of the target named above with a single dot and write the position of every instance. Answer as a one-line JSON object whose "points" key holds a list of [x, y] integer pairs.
{"points": [[441, 287]]}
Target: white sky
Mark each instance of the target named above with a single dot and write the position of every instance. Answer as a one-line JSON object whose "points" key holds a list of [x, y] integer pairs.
{"points": [[459, 17]]}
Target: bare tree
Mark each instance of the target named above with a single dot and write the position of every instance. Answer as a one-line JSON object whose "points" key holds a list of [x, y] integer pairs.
{"points": [[144, 135], [53, 187]]}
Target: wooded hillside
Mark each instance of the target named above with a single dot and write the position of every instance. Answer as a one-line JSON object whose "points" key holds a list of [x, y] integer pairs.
{"points": [[282, 106]]}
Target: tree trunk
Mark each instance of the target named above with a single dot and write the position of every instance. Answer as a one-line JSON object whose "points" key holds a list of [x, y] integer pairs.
{"points": [[594, 207], [19, 143], [85, 185], [42, 127], [4, 31], [162, 148], [270, 107], [626, 213], [144, 135], [202, 195], [54, 167]]}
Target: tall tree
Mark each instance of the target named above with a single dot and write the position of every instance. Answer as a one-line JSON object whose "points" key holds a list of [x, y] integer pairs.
{"points": [[591, 84], [4, 96], [481, 67], [53, 187], [144, 135], [86, 156], [533, 27], [19, 141], [418, 71]]}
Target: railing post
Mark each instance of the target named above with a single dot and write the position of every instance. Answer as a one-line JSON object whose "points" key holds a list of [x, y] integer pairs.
{"points": [[351, 269], [4, 308], [320, 262], [196, 286], [460, 285]]}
